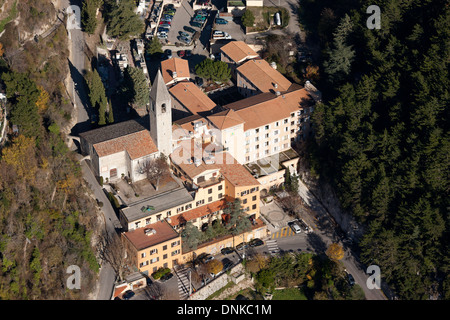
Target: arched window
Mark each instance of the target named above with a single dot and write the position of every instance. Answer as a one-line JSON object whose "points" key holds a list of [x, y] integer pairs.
{"points": [[163, 108]]}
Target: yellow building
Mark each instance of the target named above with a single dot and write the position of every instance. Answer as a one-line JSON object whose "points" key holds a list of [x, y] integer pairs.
{"points": [[155, 246]]}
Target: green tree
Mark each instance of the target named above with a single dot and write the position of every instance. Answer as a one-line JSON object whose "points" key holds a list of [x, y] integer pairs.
{"points": [[88, 16], [341, 56], [213, 70], [248, 18], [154, 48], [190, 236], [136, 87], [97, 95], [238, 221], [121, 20]]}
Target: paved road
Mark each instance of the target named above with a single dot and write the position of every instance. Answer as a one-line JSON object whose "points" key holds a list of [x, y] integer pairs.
{"points": [[325, 235], [77, 87], [107, 275]]}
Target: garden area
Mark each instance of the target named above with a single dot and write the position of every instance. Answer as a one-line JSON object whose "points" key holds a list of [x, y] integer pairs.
{"points": [[264, 18]]}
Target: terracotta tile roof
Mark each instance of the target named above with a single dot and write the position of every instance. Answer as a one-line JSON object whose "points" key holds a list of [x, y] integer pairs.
{"points": [[263, 76], [191, 97], [260, 112], [164, 232], [187, 124], [225, 119], [136, 144], [198, 212], [238, 51], [180, 66], [228, 166]]}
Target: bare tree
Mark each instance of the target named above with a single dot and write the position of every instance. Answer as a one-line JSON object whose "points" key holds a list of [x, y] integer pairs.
{"points": [[156, 169], [292, 203], [156, 291], [114, 251]]}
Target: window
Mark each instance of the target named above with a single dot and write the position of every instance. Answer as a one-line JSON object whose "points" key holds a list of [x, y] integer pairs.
{"points": [[147, 221], [209, 199], [277, 124], [266, 143], [165, 247], [247, 158], [256, 139], [220, 195], [286, 129], [169, 213], [243, 193], [292, 123], [257, 130], [158, 217], [275, 140], [188, 206], [142, 264], [113, 173], [175, 243], [180, 209], [247, 150], [285, 121], [285, 137], [292, 114], [266, 152], [254, 207], [153, 251], [209, 190], [219, 187], [257, 147], [276, 132], [165, 256], [267, 127], [266, 135], [245, 201], [163, 108], [254, 198], [137, 224], [143, 255], [275, 148], [154, 260], [200, 202], [175, 252], [165, 265]]}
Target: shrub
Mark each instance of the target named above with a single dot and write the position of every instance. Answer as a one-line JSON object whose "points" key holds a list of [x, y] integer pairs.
{"points": [[160, 272]]}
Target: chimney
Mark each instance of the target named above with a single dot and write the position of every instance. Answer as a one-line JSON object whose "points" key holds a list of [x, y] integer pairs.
{"points": [[174, 74], [149, 231], [277, 93], [273, 65], [275, 85]]}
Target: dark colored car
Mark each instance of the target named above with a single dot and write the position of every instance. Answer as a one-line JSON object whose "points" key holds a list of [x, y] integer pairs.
{"points": [[166, 277], [351, 280], [168, 53], [196, 24], [188, 53], [221, 21], [128, 295], [181, 53], [226, 251], [165, 22], [241, 246], [256, 242], [198, 81], [189, 29], [227, 263]]}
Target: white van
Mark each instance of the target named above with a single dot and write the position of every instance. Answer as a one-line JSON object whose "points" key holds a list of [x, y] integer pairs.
{"points": [[295, 228]]}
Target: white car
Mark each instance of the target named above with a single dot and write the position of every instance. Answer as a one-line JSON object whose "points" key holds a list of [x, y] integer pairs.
{"points": [[295, 228]]}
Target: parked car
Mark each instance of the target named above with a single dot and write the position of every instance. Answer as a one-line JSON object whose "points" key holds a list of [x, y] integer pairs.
{"points": [[184, 39], [165, 22], [189, 29], [168, 53], [184, 34], [208, 258], [188, 53], [351, 280], [227, 263], [198, 81], [162, 29], [181, 53], [304, 226], [241, 246], [162, 36], [295, 227], [196, 24], [221, 21], [256, 242], [225, 251], [166, 277], [128, 295], [166, 19]]}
